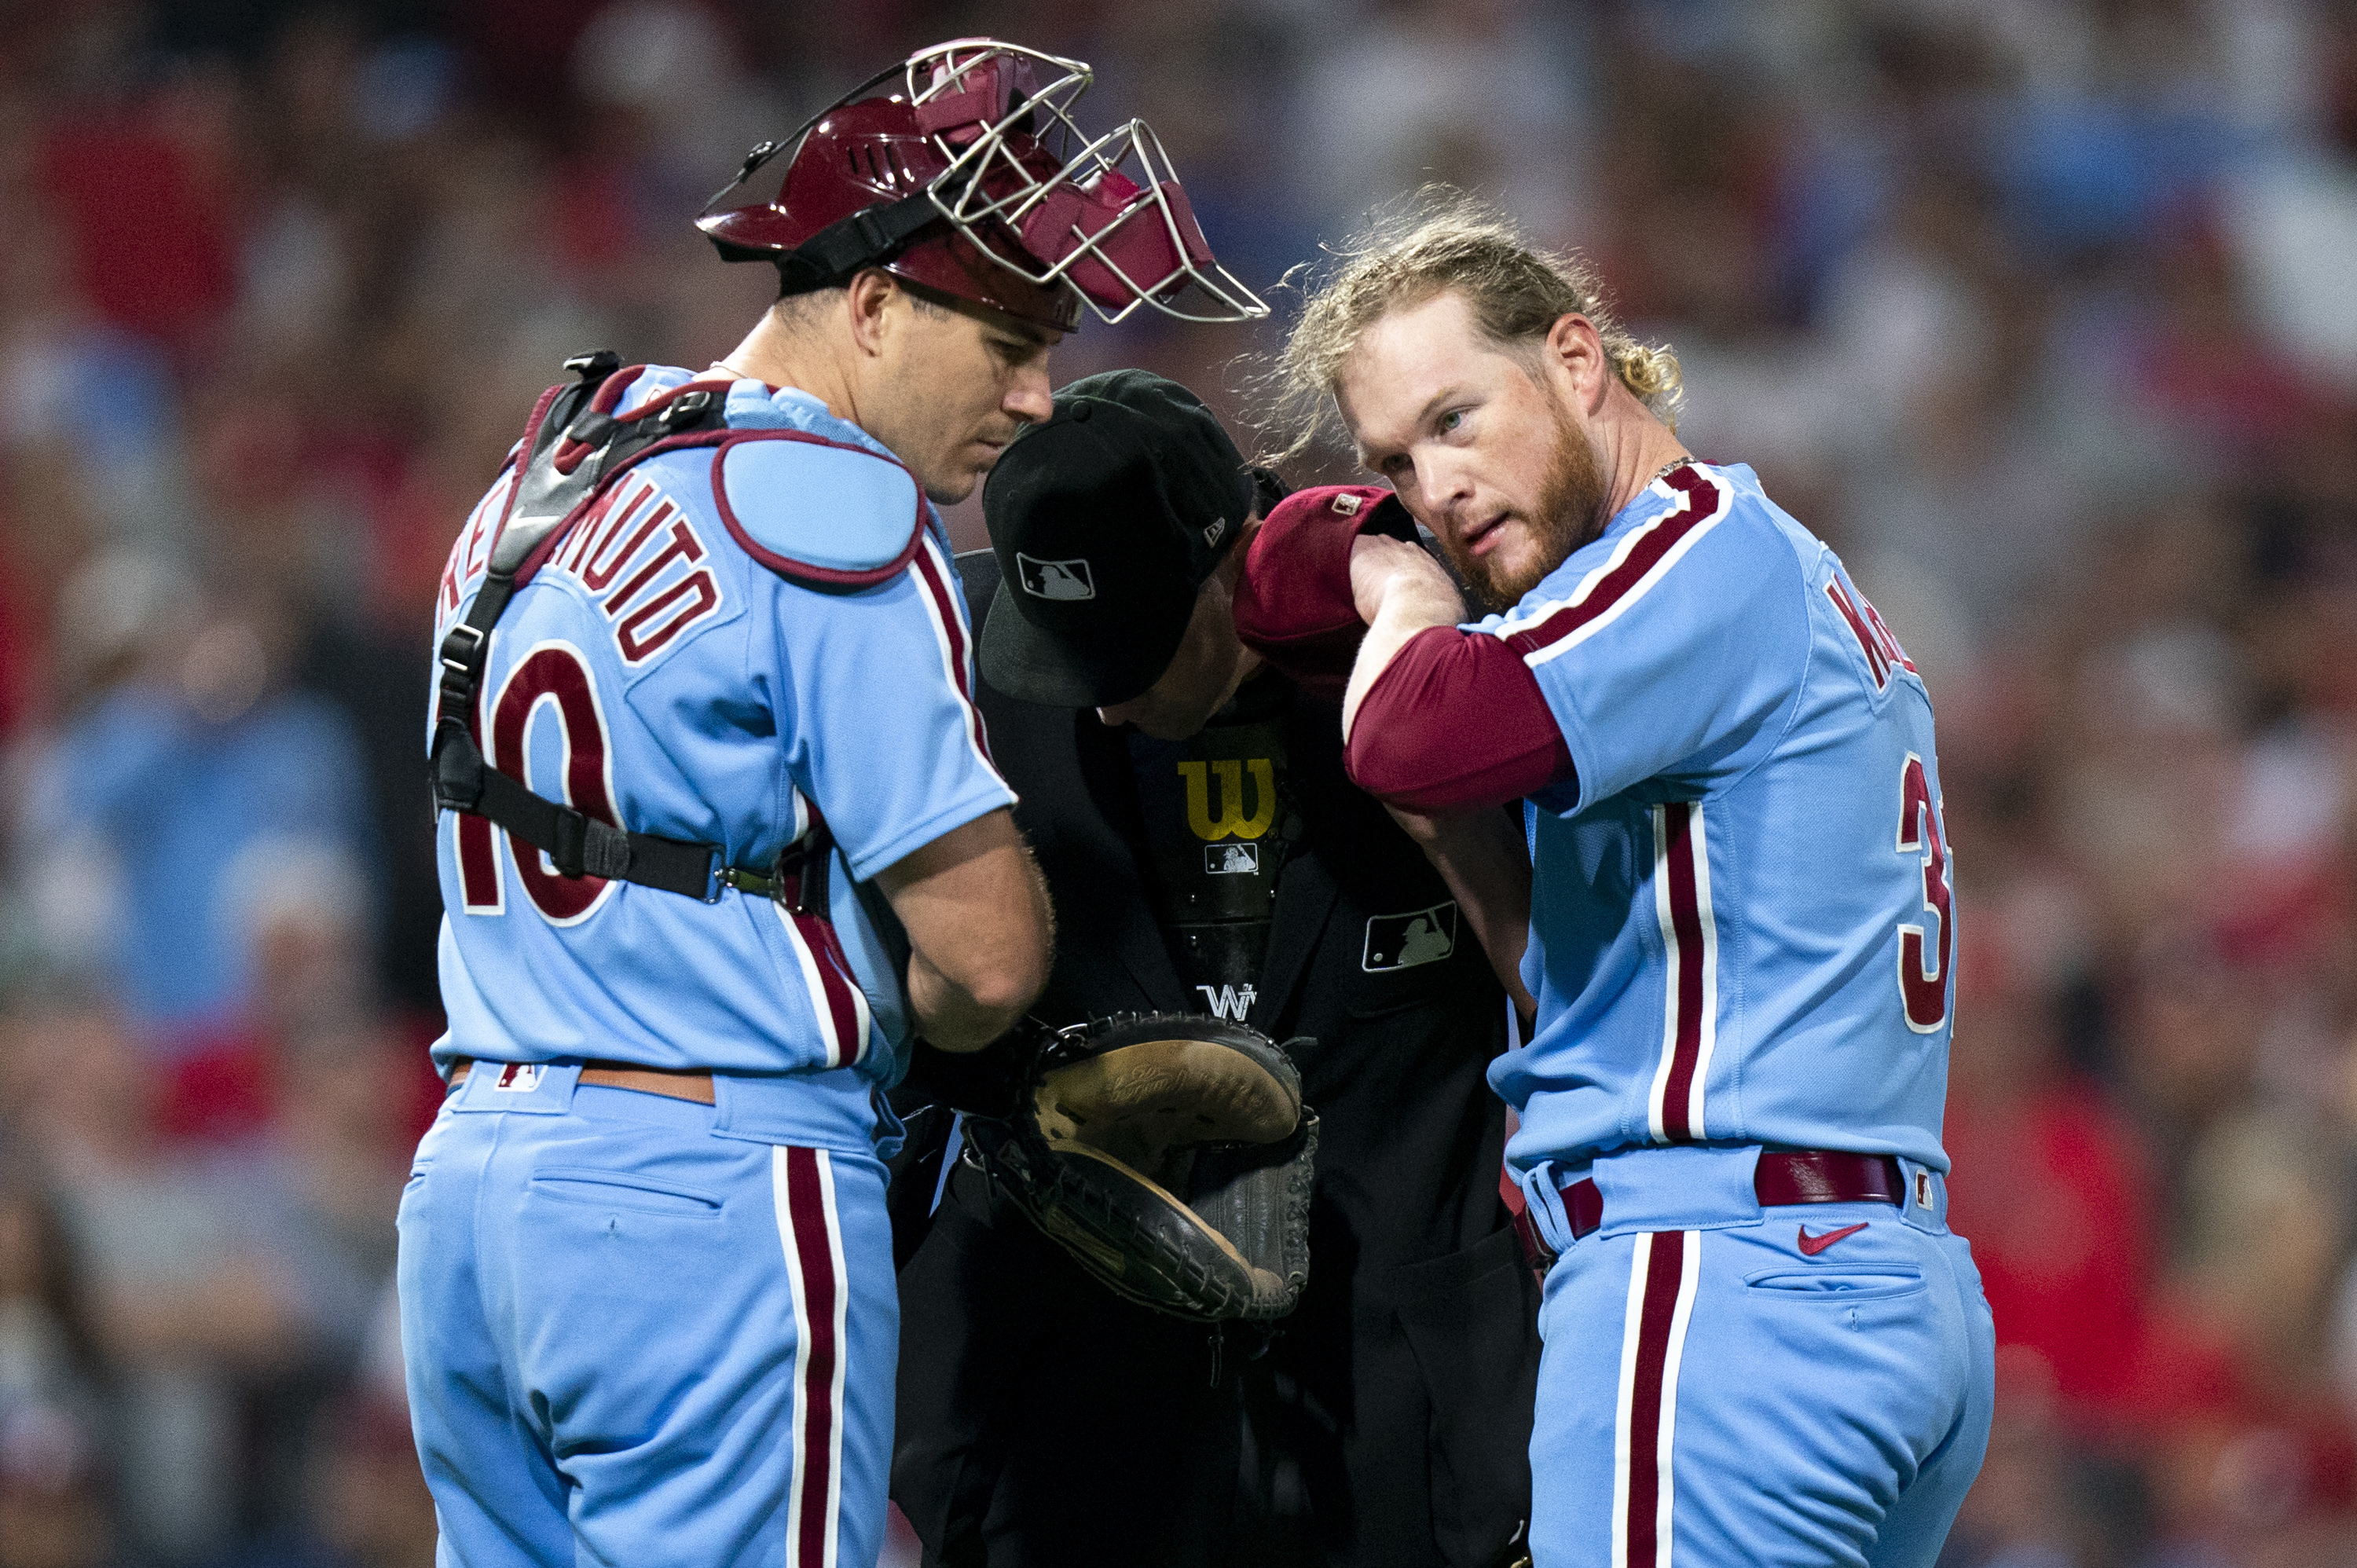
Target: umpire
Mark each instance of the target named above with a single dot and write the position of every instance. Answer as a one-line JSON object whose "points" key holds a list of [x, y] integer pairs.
{"points": [[1206, 854]]}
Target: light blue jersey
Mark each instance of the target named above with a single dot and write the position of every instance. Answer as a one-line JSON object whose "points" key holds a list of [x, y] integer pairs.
{"points": [[1741, 924], [1741, 931], [660, 671]]}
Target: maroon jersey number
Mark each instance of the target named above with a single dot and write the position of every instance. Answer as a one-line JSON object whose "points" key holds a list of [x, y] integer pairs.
{"points": [[554, 674], [1922, 970]]}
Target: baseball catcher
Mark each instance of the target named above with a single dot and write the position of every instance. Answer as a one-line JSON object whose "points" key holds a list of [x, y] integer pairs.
{"points": [[720, 834]]}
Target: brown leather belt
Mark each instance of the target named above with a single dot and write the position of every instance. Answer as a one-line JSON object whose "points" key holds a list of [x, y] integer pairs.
{"points": [[1785, 1176], [676, 1085]]}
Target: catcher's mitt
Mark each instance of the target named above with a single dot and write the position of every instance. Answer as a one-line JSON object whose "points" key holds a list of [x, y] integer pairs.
{"points": [[1170, 1156]]}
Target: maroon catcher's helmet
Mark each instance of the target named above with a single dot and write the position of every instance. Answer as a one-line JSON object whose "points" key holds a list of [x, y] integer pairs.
{"points": [[970, 177]]}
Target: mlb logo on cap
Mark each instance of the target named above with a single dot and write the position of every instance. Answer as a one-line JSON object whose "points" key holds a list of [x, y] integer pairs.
{"points": [[1106, 520], [1056, 579]]}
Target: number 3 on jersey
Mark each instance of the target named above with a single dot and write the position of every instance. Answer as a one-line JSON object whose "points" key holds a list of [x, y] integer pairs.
{"points": [[554, 674], [1923, 973]]}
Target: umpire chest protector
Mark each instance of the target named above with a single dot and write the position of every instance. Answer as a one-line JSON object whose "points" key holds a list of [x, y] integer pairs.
{"points": [[1220, 823], [574, 449]]}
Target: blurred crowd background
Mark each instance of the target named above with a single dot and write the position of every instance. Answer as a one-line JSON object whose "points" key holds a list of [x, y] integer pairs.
{"points": [[2043, 311]]}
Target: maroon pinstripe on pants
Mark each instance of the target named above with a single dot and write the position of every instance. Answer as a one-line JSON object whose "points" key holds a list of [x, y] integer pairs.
{"points": [[806, 1215], [1663, 1269]]}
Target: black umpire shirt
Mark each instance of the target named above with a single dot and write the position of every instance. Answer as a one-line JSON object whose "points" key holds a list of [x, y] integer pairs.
{"points": [[1043, 1421]]}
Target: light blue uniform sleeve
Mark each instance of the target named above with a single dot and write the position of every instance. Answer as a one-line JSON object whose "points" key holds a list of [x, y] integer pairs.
{"points": [[1673, 648], [887, 739]]}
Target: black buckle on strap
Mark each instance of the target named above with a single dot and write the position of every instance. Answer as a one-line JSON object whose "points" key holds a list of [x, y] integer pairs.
{"points": [[685, 409], [462, 647], [760, 884], [781, 883], [462, 667], [789, 879]]}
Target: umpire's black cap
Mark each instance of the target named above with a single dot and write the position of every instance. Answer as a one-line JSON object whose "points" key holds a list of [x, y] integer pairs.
{"points": [[1106, 516]]}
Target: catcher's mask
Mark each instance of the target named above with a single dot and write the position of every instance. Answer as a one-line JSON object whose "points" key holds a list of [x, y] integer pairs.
{"points": [[1171, 1157], [970, 177]]}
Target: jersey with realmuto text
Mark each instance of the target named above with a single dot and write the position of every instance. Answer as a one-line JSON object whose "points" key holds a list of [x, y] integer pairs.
{"points": [[1742, 927], [655, 672]]}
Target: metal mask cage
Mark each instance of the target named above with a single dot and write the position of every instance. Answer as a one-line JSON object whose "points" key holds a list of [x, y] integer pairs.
{"points": [[1086, 222], [1026, 187], [971, 87]]}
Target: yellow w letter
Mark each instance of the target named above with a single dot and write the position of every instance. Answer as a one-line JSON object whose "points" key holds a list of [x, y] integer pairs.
{"points": [[1232, 798]]}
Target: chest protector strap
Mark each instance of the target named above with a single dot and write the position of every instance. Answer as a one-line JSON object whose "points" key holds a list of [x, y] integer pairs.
{"points": [[571, 451]]}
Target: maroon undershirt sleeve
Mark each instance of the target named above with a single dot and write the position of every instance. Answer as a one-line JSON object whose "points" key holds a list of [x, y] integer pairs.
{"points": [[1456, 720]]}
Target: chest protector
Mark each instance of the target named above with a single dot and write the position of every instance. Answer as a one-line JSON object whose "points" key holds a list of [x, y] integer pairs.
{"points": [[574, 448], [1221, 822]]}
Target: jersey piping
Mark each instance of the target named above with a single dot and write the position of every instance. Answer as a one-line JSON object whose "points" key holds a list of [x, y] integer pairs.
{"points": [[1641, 560], [1690, 937], [950, 635]]}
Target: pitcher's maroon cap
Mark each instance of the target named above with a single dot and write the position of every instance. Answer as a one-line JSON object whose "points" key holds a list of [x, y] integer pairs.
{"points": [[1293, 600]]}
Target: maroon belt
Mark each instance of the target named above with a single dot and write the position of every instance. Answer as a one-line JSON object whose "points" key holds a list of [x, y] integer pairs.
{"points": [[1785, 1176]]}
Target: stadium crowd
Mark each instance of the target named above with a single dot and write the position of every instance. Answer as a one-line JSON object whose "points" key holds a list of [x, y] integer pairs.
{"points": [[2037, 309]]}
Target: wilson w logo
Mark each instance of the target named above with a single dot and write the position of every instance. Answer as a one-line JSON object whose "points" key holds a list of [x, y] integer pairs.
{"points": [[1229, 1001], [1232, 820]]}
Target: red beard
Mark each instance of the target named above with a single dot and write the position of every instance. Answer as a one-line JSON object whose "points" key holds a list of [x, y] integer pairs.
{"points": [[1568, 514]]}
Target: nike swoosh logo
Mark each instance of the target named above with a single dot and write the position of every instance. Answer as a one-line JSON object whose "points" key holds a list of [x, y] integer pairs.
{"points": [[1811, 1245]]}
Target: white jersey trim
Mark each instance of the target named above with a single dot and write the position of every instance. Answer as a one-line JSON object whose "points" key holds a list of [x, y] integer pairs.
{"points": [[1602, 597]]}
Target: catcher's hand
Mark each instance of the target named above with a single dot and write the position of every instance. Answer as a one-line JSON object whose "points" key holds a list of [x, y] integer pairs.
{"points": [[1170, 1156]]}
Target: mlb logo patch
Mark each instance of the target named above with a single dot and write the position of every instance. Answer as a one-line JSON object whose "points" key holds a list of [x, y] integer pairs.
{"points": [[1403, 942], [518, 1077], [1056, 579], [1922, 1190], [1239, 859]]}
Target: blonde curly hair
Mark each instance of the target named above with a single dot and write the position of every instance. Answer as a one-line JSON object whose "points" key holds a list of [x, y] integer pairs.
{"points": [[1444, 241]]}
